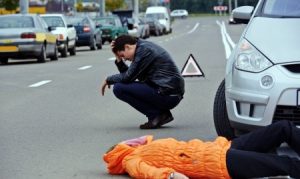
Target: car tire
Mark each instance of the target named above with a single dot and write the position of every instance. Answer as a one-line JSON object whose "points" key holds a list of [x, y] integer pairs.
{"points": [[43, 55], [93, 44], [4, 61], [221, 119], [64, 52], [73, 50], [55, 54], [99, 46]]}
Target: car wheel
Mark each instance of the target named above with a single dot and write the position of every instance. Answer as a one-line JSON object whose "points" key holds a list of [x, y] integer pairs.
{"points": [[43, 56], [99, 46], [4, 61], [93, 44], [221, 119], [55, 54], [73, 50], [64, 52]]}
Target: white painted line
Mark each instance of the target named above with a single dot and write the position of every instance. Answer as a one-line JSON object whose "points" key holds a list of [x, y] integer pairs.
{"points": [[195, 27], [232, 44], [225, 43], [112, 59], [39, 83], [85, 67]]}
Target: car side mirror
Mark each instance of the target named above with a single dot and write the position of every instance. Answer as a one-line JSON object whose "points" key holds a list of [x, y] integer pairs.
{"points": [[51, 28], [242, 14], [70, 26]]}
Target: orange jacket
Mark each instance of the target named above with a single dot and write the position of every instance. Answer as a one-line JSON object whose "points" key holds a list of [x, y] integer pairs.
{"points": [[158, 158]]}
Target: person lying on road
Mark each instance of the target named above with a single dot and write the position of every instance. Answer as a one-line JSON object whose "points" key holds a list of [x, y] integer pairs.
{"points": [[246, 156]]}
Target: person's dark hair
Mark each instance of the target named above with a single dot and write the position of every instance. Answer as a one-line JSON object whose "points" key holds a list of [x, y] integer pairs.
{"points": [[122, 40], [111, 148]]}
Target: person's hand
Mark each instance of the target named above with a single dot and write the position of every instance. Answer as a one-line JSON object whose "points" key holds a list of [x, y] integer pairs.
{"points": [[104, 86], [112, 45], [177, 175]]}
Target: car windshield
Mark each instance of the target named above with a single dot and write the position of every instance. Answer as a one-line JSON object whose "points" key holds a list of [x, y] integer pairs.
{"points": [[78, 21], [155, 15], [54, 21], [282, 8], [105, 21], [16, 22]]}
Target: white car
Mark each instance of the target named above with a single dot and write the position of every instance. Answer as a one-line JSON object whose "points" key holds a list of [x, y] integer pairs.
{"points": [[66, 33], [262, 80], [179, 13]]}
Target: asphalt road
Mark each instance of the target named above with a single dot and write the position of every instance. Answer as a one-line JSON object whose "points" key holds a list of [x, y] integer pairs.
{"points": [[55, 124]]}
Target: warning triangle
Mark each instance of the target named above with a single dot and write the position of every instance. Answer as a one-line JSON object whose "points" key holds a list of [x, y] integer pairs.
{"points": [[191, 68]]}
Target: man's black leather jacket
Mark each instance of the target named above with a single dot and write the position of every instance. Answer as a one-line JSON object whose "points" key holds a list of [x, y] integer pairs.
{"points": [[152, 65]]}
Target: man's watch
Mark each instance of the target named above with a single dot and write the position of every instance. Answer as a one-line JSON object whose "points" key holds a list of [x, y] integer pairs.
{"points": [[171, 176]]}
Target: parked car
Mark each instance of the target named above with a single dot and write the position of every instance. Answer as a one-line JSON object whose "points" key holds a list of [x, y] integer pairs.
{"points": [[26, 36], [66, 33], [111, 27], [162, 15], [88, 33], [179, 13], [145, 29], [139, 28], [154, 26], [262, 80]]}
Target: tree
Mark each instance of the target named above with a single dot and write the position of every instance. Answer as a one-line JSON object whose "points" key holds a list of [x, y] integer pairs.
{"points": [[9, 4], [111, 5]]}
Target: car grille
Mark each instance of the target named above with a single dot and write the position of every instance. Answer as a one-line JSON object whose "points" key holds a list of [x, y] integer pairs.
{"points": [[294, 68], [291, 113]]}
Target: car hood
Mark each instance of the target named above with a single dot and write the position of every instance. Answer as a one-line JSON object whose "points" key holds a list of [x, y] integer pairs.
{"points": [[277, 38]]}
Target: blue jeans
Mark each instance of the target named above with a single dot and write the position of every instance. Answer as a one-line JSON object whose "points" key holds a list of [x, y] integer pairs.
{"points": [[145, 98]]}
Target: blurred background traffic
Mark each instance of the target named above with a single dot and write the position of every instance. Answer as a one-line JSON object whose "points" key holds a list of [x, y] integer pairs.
{"points": [[53, 29]]}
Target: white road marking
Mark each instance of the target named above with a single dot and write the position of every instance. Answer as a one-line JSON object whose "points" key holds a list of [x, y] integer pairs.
{"points": [[39, 83], [195, 27], [232, 44], [85, 67], [225, 43], [111, 59]]}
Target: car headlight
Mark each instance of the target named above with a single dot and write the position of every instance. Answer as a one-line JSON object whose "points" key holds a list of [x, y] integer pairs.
{"points": [[250, 59]]}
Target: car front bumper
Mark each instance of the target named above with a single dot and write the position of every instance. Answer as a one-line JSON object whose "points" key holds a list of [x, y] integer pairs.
{"points": [[250, 104]]}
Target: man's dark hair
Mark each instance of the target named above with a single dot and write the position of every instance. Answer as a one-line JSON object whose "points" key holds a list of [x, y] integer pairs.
{"points": [[122, 40]]}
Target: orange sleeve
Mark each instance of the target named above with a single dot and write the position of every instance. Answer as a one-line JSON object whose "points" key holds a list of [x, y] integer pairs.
{"points": [[136, 168]]}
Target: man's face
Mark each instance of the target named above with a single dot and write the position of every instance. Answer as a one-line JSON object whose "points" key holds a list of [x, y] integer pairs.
{"points": [[128, 52]]}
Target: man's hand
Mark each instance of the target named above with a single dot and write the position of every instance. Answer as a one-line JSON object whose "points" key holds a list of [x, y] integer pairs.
{"points": [[112, 45], [177, 175], [104, 86]]}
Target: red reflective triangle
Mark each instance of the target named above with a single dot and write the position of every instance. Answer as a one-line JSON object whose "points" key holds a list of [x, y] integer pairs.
{"points": [[191, 68]]}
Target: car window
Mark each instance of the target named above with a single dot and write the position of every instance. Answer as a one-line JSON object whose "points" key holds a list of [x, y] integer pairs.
{"points": [[156, 15], [282, 8], [54, 21], [106, 21], [16, 22]]}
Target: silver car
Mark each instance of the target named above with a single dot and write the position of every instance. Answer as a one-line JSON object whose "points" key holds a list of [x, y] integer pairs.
{"points": [[262, 81]]}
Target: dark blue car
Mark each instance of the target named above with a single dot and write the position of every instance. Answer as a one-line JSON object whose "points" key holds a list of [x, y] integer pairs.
{"points": [[88, 34]]}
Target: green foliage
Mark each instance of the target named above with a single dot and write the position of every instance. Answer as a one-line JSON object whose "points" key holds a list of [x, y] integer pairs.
{"points": [[111, 5], [9, 4]]}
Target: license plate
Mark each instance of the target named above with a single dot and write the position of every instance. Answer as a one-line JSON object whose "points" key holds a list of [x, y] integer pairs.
{"points": [[298, 98], [8, 49]]}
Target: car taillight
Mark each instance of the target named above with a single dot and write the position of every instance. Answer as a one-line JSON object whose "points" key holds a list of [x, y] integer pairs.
{"points": [[86, 29], [28, 35]]}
